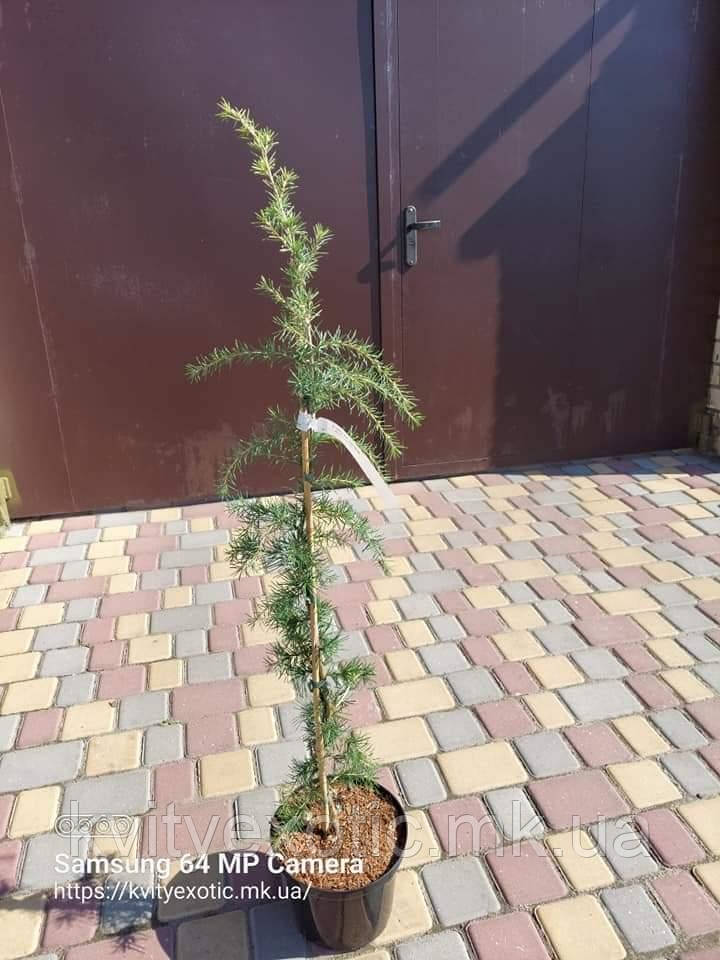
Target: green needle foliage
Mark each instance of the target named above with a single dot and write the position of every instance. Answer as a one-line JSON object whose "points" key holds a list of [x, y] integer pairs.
{"points": [[290, 536]]}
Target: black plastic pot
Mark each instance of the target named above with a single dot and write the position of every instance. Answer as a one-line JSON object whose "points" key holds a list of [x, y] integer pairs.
{"points": [[345, 920]]}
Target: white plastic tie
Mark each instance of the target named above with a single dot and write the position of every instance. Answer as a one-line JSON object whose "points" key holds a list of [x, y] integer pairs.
{"points": [[305, 421]]}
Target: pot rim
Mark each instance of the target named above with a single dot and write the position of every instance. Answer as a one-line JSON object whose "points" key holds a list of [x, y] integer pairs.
{"points": [[400, 848]]}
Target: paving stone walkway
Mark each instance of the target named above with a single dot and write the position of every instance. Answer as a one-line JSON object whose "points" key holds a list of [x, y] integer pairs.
{"points": [[547, 653]]}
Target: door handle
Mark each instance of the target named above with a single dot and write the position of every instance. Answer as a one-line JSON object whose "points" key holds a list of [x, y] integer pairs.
{"points": [[412, 226]]}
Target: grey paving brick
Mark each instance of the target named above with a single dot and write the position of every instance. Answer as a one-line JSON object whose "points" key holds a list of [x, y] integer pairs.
{"points": [[79, 688], [143, 709], [392, 531], [64, 662], [180, 619], [213, 592], [699, 566], [443, 658], [601, 581], [446, 628], [562, 564], [122, 518], [553, 498], [40, 766], [29, 596], [687, 618], [599, 664], [164, 743], [670, 498], [417, 607], [670, 594], [211, 666], [50, 555], [560, 638], [75, 570], [201, 557], [8, 730], [600, 700], [710, 673], [553, 611], [709, 525], [680, 731], [629, 536], [76, 538], [515, 815], [521, 549], [459, 890], [519, 592], [275, 933], [113, 795], [638, 919], [463, 538], [85, 608], [353, 645], [546, 754], [207, 538], [437, 582], [474, 686], [159, 579], [190, 643], [175, 527], [42, 868], [254, 810], [421, 782], [122, 911], [275, 760], [456, 728], [691, 773], [699, 647], [423, 562], [447, 945], [58, 635], [623, 848], [291, 719]]}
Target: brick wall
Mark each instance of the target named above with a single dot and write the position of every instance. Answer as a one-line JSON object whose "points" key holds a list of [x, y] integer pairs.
{"points": [[709, 438]]}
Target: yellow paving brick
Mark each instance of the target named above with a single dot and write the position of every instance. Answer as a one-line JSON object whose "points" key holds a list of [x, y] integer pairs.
{"points": [[13, 544], [654, 624], [685, 529], [254, 634], [20, 666], [704, 817], [422, 844], [604, 539], [603, 525], [669, 652], [572, 583], [223, 773], [165, 674], [625, 601], [415, 697], [410, 916], [519, 531], [689, 687], [485, 598], [114, 752], [578, 929], [9, 579], [416, 633], [165, 515], [399, 566], [428, 543], [128, 532], [518, 645], [524, 569], [202, 524], [266, 689], [499, 506], [105, 551], [157, 646], [666, 572], [641, 736], [15, 641], [389, 587], [221, 571], [465, 481], [435, 525], [341, 555], [399, 740], [257, 725], [110, 567], [383, 611], [131, 625], [487, 554], [520, 516], [123, 583], [502, 490], [580, 860], [626, 556], [44, 526], [88, 719], [417, 513], [644, 783], [603, 507], [664, 485], [118, 838], [403, 664], [24, 919], [487, 767], [554, 672], [5, 596], [549, 710], [35, 812], [177, 597], [704, 588], [709, 875], [27, 695], [43, 615], [703, 494], [521, 616], [692, 511]]}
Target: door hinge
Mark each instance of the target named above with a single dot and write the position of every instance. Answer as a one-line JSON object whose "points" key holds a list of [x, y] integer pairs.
{"points": [[5, 495]]}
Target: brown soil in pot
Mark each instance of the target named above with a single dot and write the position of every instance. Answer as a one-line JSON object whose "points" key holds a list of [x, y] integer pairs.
{"points": [[367, 832]]}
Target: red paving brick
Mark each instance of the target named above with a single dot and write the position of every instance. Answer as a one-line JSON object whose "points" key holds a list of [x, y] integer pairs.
{"points": [[691, 908], [577, 798], [464, 826], [510, 937], [526, 874], [598, 744], [669, 837], [70, 922], [505, 719], [205, 699]]}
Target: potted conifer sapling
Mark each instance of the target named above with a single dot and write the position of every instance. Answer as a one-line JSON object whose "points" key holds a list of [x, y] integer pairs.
{"points": [[343, 833]]}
